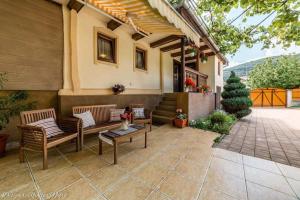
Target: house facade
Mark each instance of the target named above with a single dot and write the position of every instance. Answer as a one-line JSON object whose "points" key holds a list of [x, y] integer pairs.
{"points": [[71, 52]]}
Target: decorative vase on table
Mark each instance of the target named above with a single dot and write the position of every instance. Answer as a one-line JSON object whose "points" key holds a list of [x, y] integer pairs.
{"points": [[125, 118], [124, 125]]}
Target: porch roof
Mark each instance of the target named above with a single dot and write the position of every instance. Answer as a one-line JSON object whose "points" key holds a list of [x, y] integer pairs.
{"points": [[148, 16]]}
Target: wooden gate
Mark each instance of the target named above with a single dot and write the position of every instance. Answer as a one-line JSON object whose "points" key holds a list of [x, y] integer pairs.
{"points": [[268, 97]]}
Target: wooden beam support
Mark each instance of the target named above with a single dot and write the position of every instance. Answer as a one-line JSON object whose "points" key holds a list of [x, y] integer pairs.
{"points": [[164, 41], [197, 60], [73, 4], [112, 24], [190, 58], [176, 54], [173, 46], [182, 67], [203, 48], [137, 36], [210, 54]]}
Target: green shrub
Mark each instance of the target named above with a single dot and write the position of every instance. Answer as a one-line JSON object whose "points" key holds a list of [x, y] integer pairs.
{"points": [[236, 97], [218, 121]]}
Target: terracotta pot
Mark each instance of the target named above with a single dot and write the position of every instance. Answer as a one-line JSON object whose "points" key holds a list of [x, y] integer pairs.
{"points": [[180, 123], [3, 139]]}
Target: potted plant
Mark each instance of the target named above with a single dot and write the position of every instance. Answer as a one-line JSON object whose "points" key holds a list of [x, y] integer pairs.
{"points": [[118, 88], [205, 89], [10, 105], [189, 84], [204, 59], [181, 119]]}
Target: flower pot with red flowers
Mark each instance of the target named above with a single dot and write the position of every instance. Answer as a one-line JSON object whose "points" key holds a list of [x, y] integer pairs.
{"points": [[125, 120], [118, 89], [205, 89], [3, 140], [189, 85], [181, 119]]}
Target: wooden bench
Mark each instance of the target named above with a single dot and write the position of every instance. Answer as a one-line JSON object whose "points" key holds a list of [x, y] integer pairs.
{"points": [[101, 115], [145, 121], [34, 138]]}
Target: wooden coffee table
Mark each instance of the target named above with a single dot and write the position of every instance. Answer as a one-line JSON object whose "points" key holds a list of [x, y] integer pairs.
{"points": [[115, 137]]}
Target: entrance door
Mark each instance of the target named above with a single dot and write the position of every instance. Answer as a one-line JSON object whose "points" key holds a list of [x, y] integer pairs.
{"points": [[177, 83]]}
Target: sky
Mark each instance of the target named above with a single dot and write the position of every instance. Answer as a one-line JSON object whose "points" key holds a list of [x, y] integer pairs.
{"points": [[245, 54]]}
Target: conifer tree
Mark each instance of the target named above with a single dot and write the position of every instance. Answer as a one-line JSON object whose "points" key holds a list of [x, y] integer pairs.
{"points": [[236, 97]]}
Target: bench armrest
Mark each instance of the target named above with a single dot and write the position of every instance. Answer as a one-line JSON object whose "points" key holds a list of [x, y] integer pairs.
{"points": [[69, 125], [32, 136]]}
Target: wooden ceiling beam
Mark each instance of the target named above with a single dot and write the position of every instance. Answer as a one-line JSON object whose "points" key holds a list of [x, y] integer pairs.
{"points": [[203, 48], [172, 47], [176, 54], [112, 24], [73, 4], [137, 36], [163, 41], [210, 54]]}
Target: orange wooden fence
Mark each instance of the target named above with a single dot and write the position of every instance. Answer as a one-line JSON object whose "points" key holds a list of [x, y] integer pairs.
{"points": [[271, 97]]}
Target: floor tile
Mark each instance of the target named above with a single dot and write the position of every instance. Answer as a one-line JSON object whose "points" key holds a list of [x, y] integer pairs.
{"points": [[178, 187], [268, 179], [258, 192], [25, 192], [261, 164], [156, 195], [226, 166], [128, 188], [226, 183], [106, 177], [15, 181], [59, 181], [192, 170], [211, 194], [77, 191], [228, 155], [295, 186], [152, 174], [289, 171], [91, 165]]}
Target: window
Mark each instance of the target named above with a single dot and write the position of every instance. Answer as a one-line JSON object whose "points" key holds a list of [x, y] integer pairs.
{"points": [[140, 59], [106, 48], [219, 68]]}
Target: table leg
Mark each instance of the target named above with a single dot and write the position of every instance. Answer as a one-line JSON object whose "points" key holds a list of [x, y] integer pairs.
{"points": [[145, 139], [100, 147], [115, 153], [130, 139]]}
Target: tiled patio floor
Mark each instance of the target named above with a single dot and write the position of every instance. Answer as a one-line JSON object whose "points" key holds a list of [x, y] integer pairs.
{"points": [[272, 134], [178, 164]]}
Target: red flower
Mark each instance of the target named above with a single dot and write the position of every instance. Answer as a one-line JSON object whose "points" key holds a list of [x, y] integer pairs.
{"points": [[125, 116], [190, 82]]}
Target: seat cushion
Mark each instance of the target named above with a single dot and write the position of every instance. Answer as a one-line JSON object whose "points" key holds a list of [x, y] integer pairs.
{"points": [[87, 119], [115, 114], [49, 125], [138, 113]]}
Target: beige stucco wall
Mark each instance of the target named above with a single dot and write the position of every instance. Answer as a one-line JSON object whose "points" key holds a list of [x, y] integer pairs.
{"points": [[167, 72], [210, 68], [98, 78]]}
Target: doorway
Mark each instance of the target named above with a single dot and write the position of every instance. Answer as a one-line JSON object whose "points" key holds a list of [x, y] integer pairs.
{"points": [[177, 82]]}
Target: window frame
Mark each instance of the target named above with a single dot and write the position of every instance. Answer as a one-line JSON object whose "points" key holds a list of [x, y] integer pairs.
{"points": [[144, 50], [108, 34], [113, 47]]}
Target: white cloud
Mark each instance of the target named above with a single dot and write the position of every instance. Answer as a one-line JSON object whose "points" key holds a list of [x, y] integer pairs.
{"points": [[279, 50]]}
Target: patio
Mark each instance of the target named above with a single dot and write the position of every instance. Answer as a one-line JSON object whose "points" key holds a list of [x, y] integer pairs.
{"points": [[178, 164], [268, 133]]}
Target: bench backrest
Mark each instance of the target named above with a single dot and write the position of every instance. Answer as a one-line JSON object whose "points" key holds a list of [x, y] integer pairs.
{"points": [[36, 115], [101, 113]]}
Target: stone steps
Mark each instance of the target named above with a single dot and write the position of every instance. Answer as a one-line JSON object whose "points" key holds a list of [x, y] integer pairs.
{"points": [[166, 110]]}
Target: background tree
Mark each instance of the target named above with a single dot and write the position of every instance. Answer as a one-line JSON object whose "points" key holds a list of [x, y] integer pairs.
{"points": [[236, 97], [283, 72], [284, 28]]}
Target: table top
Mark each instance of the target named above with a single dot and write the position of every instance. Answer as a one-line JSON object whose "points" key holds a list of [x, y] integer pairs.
{"points": [[114, 133]]}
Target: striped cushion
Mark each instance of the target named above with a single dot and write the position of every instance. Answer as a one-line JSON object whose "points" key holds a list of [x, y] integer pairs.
{"points": [[138, 113], [87, 119], [49, 125], [115, 114]]}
